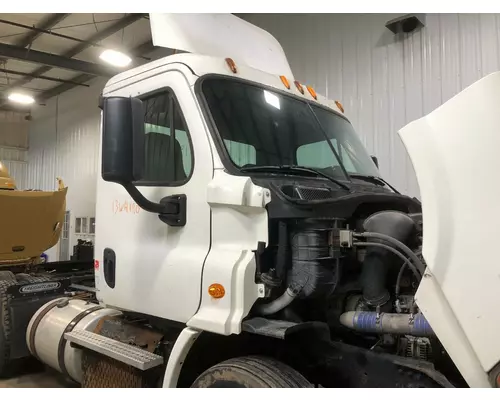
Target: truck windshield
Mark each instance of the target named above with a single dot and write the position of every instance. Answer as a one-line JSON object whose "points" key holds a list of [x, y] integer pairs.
{"points": [[261, 127]]}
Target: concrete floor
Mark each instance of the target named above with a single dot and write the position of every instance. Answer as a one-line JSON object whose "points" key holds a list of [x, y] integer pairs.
{"points": [[33, 375]]}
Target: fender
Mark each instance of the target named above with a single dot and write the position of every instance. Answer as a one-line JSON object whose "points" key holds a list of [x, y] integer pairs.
{"points": [[179, 353]]}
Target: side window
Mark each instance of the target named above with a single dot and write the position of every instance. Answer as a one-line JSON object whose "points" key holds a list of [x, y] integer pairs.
{"points": [[241, 153], [169, 155]]}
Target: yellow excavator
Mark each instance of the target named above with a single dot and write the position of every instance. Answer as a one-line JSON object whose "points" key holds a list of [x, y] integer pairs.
{"points": [[31, 223]]}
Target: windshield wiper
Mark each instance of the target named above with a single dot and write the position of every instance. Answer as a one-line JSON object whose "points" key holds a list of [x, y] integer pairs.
{"points": [[374, 179], [297, 168]]}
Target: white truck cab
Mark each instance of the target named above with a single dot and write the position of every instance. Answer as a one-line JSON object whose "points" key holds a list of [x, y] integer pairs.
{"points": [[244, 228], [223, 216]]}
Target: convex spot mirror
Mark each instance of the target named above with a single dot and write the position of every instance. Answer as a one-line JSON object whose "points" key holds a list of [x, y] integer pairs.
{"points": [[123, 139]]}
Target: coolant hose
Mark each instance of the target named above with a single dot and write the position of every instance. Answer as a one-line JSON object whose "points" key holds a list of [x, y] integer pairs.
{"points": [[400, 324], [281, 302]]}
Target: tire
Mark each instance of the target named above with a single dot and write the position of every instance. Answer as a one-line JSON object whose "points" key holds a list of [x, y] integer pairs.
{"points": [[7, 276], [4, 326], [27, 278], [251, 372]]}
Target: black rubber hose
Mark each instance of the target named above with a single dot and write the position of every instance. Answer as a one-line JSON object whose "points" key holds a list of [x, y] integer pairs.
{"points": [[395, 243], [391, 249], [282, 250], [400, 276]]}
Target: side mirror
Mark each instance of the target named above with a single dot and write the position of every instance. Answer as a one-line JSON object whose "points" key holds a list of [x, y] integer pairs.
{"points": [[123, 139], [375, 161], [123, 156]]}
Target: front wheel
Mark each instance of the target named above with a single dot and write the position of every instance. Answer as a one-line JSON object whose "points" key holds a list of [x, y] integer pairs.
{"points": [[251, 372]]}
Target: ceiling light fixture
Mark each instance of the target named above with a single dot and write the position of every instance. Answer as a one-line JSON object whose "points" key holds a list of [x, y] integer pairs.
{"points": [[21, 98], [115, 58]]}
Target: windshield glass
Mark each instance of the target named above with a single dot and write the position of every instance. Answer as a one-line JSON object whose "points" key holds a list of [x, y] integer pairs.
{"points": [[261, 127]]}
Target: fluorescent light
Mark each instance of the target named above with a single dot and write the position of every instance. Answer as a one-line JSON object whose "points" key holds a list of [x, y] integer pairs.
{"points": [[272, 99], [115, 58], [21, 98]]}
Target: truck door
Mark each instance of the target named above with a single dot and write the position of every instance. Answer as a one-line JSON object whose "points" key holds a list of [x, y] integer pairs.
{"points": [[158, 267]]}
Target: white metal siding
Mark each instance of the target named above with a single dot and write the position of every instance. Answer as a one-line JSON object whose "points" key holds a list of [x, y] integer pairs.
{"points": [[13, 145], [63, 142], [384, 82]]}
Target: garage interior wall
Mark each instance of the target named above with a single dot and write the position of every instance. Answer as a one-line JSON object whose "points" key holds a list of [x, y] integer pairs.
{"points": [[384, 81], [14, 145], [64, 142]]}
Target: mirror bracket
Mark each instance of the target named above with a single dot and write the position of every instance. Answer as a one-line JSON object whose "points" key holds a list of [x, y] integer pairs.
{"points": [[177, 204], [171, 209]]}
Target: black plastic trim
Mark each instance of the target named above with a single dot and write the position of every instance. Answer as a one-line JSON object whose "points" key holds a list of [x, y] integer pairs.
{"points": [[109, 268], [178, 204]]}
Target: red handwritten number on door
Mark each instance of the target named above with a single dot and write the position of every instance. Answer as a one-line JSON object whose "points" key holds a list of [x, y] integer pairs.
{"points": [[128, 207]]}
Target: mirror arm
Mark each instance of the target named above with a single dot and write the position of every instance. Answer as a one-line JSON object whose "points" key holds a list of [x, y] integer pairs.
{"points": [[146, 204]]}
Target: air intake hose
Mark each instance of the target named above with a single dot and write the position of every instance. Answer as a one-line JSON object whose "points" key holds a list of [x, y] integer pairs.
{"points": [[375, 265], [400, 324]]}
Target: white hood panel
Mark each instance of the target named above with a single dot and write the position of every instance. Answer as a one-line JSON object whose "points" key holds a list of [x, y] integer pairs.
{"points": [[455, 151]]}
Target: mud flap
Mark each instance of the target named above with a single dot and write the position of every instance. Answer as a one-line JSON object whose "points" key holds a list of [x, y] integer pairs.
{"points": [[24, 299]]}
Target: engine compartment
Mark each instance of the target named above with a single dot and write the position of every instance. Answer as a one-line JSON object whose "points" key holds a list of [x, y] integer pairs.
{"points": [[353, 261]]}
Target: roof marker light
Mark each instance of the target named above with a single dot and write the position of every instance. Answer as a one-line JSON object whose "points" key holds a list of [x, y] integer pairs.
{"points": [[340, 106], [312, 92], [232, 66], [285, 81], [299, 87]]}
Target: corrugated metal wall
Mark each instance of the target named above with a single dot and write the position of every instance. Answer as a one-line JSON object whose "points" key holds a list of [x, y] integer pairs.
{"points": [[63, 142], [14, 145], [385, 82]]}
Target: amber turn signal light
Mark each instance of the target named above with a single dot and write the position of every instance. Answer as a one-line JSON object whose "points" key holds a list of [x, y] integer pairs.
{"points": [[216, 290]]}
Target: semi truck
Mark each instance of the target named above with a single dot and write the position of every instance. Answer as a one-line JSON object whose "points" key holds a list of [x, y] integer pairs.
{"points": [[261, 247]]}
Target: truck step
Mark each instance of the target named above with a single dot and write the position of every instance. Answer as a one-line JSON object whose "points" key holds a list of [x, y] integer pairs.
{"points": [[126, 353]]}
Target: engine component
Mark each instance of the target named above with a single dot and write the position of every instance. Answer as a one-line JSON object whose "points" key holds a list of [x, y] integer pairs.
{"points": [[46, 329], [400, 324], [314, 268], [281, 302], [417, 347], [375, 266]]}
